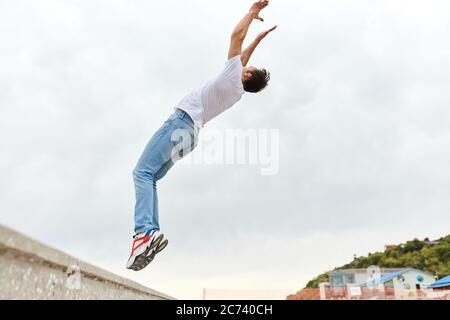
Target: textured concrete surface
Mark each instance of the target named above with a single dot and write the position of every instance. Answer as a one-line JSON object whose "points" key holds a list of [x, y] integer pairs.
{"points": [[32, 270]]}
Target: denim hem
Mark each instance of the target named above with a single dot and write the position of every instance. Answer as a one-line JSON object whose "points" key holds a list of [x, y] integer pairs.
{"points": [[145, 229]]}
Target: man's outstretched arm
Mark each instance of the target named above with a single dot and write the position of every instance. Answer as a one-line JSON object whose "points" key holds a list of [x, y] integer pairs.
{"points": [[247, 53], [240, 32]]}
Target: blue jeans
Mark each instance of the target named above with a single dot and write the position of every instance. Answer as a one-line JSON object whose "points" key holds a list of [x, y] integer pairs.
{"points": [[174, 140]]}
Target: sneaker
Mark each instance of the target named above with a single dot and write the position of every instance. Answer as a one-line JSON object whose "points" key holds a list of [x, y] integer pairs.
{"points": [[144, 245]]}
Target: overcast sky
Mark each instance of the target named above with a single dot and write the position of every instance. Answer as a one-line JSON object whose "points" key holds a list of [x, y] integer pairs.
{"points": [[360, 92]]}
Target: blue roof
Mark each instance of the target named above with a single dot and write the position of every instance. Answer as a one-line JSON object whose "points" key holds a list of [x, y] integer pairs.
{"points": [[444, 282], [385, 277]]}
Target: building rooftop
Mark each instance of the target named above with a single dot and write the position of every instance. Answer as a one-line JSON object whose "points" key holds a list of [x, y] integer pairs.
{"points": [[385, 277], [389, 276], [363, 270], [444, 282]]}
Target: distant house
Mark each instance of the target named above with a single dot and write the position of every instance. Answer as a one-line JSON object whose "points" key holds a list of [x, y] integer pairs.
{"points": [[404, 284], [341, 280], [440, 289], [429, 242], [426, 242], [375, 283], [443, 284]]}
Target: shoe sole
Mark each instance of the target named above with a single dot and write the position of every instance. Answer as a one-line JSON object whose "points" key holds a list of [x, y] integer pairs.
{"points": [[153, 244], [160, 247], [144, 259]]}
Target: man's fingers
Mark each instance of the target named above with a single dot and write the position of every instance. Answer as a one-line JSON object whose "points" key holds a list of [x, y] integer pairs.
{"points": [[269, 31], [265, 33], [263, 3]]}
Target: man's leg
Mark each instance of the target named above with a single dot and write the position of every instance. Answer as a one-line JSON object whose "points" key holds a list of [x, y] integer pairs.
{"points": [[160, 174], [155, 162], [157, 159], [156, 154]]}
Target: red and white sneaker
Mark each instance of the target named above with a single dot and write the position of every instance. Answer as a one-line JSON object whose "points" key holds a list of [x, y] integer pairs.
{"points": [[144, 248]]}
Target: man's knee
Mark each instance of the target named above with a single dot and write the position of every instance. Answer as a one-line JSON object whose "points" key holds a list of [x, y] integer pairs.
{"points": [[140, 174]]}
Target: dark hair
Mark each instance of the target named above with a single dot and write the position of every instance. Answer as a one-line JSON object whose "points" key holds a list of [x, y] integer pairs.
{"points": [[258, 82]]}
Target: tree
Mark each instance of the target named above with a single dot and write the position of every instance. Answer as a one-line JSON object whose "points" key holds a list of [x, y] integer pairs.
{"points": [[415, 254]]}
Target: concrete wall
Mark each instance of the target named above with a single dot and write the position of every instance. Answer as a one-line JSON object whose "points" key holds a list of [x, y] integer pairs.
{"points": [[32, 270]]}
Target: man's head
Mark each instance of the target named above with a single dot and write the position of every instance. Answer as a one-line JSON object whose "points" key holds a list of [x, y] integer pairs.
{"points": [[254, 79]]}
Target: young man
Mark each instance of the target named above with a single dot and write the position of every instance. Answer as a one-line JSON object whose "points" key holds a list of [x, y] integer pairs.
{"points": [[178, 135]]}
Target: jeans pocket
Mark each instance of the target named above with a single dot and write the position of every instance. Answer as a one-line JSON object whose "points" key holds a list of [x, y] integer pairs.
{"points": [[183, 141]]}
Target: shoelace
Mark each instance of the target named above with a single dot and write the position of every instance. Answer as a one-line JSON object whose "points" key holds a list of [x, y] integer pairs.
{"points": [[141, 233]]}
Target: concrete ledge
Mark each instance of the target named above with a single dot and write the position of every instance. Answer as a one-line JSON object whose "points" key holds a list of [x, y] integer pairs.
{"points": [[32, 270]]}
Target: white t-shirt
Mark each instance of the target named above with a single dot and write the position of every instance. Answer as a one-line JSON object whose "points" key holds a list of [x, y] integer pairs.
{"points": [[215, 96]]}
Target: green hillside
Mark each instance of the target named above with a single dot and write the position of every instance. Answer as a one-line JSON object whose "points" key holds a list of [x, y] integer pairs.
{"points": [[431, 256]]}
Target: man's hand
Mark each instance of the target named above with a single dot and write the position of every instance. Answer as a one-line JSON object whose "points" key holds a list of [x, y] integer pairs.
{"points": [[247, 53], [264, 34], [257, 7], [240, 32]]}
